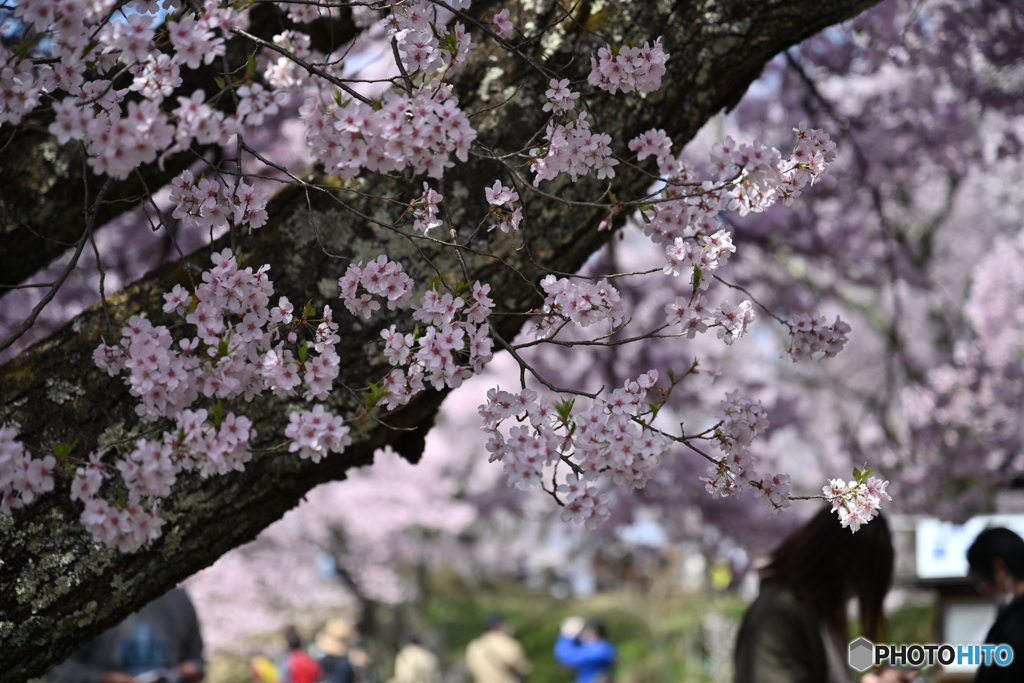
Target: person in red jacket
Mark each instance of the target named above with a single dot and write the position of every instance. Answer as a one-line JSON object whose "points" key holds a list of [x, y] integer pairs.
{"points": [[299, 666]]}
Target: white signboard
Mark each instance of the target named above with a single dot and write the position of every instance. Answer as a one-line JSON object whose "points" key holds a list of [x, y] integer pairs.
{"points": [[942, 546]]}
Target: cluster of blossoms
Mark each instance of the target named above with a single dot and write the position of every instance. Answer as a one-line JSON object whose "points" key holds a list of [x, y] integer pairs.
{"points": [[434, 354], [425, 210], [699, 259], [415, 26], [763, 177], [200, 122], [583, 304], [255, 102], [381, 278], [751, 178], [812, 337], [284, 75], [502, 24], [417, 132], [628, 68], [21, 475], [233, 354], [693, 316], [571, 146], [119, 142], [857, 501], [740, 422], [206, 204], [315, 433], [498, 197], [120, 137], [126, 527], [605, 442]]}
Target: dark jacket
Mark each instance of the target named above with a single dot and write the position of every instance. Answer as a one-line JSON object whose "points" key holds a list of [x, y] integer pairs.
{"points": [[779, 641], [162, 634], [1008, 630]]}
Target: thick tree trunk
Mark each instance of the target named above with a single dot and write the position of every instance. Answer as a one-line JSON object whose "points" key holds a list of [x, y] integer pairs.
{"points": [[59, 588]]}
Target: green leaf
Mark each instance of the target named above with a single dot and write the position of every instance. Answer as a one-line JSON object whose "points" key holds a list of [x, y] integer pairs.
{"points": [[647, 207], [303, 350], [308, 311], [218, 413], [62, 450], [250, 65], [22, 49], [564, 408], [695, 281], [376, 393], [89, 48], [220, 82]]}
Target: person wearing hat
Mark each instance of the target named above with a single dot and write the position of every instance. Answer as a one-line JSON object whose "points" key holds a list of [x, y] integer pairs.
{"points": [[334, 641]]}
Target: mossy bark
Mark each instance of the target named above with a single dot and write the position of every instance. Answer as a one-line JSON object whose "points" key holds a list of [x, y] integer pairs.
{"points": [[59, 588]]}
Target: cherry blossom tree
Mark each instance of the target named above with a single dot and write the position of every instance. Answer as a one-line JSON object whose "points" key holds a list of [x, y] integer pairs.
{"points": [[926, 97], [199, 403]]}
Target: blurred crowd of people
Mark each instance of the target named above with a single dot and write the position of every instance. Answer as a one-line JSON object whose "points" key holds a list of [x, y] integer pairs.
{"points": [[796, 631], [337, 655]]}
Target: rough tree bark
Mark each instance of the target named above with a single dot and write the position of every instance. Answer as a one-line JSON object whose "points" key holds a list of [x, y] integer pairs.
{"points": [[59, 588]]}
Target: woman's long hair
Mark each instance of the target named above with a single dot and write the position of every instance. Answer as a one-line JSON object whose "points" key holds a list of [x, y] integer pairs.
{"points": [[826, 565]]}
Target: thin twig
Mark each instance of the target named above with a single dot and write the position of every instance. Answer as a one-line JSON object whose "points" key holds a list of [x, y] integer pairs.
{"points": [[305, 65], [80, 245]]}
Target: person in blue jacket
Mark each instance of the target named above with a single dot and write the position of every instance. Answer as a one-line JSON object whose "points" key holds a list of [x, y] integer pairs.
{"points": [[584, 647]]}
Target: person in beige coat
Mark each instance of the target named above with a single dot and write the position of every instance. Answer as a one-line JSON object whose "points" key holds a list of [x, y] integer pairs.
{"points": [[497, 657], [416, 664]]}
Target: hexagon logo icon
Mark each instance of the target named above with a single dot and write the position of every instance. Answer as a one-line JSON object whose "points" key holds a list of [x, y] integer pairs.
{"points": [[862, 654]]}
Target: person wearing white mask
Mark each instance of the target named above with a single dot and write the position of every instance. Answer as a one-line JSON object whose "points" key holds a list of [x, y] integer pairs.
{"points": [[996, 559]]}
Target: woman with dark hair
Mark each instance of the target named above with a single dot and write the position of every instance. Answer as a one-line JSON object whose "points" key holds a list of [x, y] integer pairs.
{"points": [[796, 631]]}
